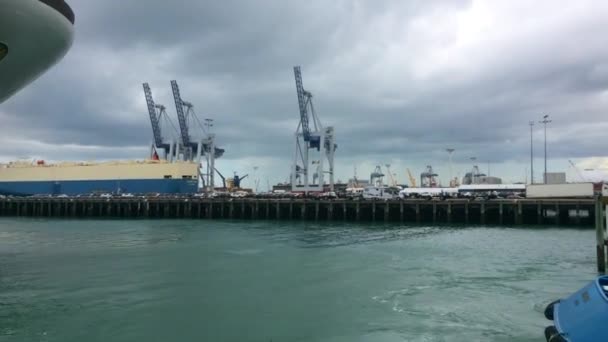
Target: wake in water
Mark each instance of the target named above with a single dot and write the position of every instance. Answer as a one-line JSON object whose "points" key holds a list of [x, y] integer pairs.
{"points": [[234, 281]]}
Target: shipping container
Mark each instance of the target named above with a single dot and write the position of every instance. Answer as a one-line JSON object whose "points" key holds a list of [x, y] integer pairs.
{"points": [[555, 178], [572, 190]]}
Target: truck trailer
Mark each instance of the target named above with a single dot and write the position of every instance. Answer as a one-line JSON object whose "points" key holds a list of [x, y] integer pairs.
{"points": [[571, 190]]}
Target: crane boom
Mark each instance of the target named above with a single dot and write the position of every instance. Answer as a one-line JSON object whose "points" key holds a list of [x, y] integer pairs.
{"points": [[302, 102], [181, 116], [183, 122], [221, 176], [154, 120], [577, 170], [412, 179], [390, 175]]}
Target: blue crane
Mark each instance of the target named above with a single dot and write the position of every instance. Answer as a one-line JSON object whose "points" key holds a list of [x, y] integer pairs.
{"points": [[182, 117], [311, 135], [304, 101], [156, 112], [237, 180]]}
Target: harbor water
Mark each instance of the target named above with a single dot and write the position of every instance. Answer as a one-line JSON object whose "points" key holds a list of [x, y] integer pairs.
{"points": [[189, 280]]}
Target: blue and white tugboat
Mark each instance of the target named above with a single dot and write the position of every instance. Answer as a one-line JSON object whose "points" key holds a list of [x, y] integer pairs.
{"points": [[581, 317]]}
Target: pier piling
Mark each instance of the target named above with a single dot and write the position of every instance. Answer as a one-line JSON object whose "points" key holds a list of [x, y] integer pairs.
{"points": [[290, 209], [303, 211], [277, 210], [386, 211], [600, 234], [528, 211]]}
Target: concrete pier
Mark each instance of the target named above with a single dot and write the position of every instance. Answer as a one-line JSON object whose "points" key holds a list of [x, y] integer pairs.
{"points": [[582, 212]]}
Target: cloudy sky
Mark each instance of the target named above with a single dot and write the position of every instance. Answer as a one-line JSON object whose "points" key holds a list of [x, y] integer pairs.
{"points": [[400, 81]]}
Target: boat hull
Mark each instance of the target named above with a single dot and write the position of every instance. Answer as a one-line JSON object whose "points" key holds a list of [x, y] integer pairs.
{"points": [[582, 316], [33, 37], [77, 187], [137, 177]]}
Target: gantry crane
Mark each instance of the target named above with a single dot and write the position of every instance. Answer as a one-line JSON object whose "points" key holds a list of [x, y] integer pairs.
{"points": [[157, 113], [204, 146], [187, 147], [376, 178], [315, 137], [390, 175], [428, 178], [185, 118]]}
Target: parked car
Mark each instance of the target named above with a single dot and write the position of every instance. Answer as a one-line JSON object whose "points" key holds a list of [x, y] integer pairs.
{"points": [[239, 194], [329, 194]]}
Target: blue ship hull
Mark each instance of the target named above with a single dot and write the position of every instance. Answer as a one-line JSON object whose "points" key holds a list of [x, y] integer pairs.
{"points": [[134, 186], [582, 316]]}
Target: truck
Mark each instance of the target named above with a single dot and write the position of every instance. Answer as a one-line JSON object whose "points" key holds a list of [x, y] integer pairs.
{"points": [[570, 190], [380, 192]]}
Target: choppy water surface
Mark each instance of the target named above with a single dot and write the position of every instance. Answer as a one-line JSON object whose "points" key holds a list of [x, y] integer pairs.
{"points": [[268, 281]]}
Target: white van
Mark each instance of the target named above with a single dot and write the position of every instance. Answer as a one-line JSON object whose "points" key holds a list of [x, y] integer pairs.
{"points": [[375, 192]]}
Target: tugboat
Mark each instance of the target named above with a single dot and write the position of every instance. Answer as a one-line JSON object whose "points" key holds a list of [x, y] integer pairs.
{"points": [[581, 317]]}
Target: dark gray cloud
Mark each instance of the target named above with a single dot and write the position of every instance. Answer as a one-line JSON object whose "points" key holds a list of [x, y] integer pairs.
{"points": [[400, 81]]}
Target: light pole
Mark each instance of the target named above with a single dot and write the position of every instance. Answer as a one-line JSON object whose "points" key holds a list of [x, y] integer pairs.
{"points": [[210, 156], [450, 151], [531, 123], [545, 122], [390, 175], [256, 181], [473, 159]]}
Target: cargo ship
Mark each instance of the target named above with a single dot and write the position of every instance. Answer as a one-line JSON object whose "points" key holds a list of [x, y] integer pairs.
{"points": [[35, 35], [135, 177]]}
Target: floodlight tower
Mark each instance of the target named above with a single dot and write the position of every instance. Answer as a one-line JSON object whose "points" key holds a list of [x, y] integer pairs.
{"points": [[450, 151]]}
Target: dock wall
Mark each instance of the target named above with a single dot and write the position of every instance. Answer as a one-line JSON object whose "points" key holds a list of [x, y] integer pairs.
{"points": [[580, 212]]}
